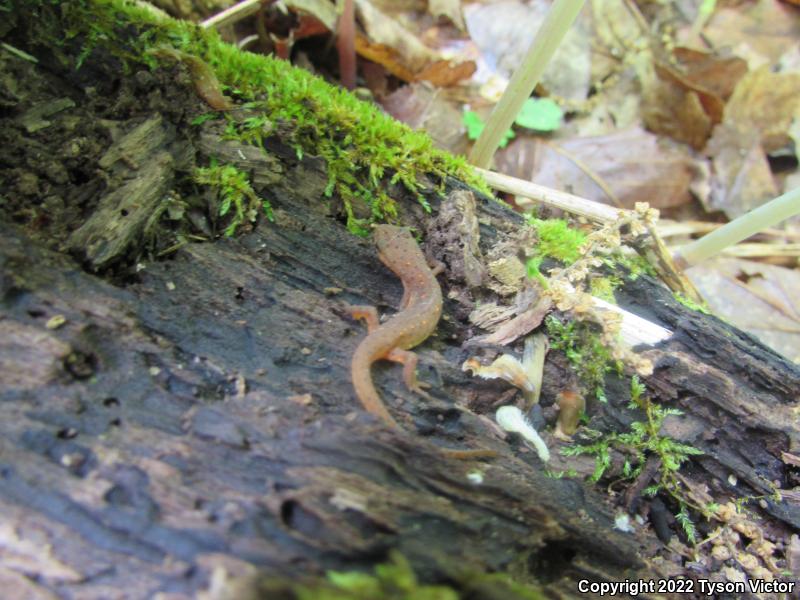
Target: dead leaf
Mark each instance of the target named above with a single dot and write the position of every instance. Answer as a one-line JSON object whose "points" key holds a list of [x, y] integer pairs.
{"points": [[322, 10], [686, 96], [758, 298], [422, 107], [742, 179], [445, 73], [767, 102], [671, 108], [385, 31], [715, 74], [758, 120], [631, 166], [759, 33], [388, 42], [385, 56]]}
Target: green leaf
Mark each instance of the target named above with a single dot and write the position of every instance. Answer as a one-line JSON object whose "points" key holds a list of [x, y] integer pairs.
{"points": [[475, 125], [540, 114], [637, 388]]}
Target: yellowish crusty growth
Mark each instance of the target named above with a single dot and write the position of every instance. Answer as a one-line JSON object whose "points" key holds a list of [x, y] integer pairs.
{"points": [[365, 149]]}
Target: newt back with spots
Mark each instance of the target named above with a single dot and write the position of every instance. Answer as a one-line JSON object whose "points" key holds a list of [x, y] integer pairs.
{"points": [[420, 310]]}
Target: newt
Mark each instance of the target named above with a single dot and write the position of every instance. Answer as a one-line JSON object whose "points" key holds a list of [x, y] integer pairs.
{"points": [[420, 310]]}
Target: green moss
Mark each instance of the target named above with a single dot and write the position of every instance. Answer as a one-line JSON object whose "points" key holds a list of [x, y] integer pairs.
{"points": [[635, 264], [234, 191], [689, 303], [603, 287], [643, 440], [580, 342], [395, 580], [556, 240], [365, 149]]}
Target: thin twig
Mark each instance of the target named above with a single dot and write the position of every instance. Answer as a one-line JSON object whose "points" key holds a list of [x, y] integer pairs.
{"points": [[231, 15], [601, 213]]}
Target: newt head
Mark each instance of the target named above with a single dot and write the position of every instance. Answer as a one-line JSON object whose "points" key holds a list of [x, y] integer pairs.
{"points": [[392, 242], [388, 235]]}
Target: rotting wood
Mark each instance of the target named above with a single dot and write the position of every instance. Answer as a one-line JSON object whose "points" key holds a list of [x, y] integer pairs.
{"points": [[138, 160], [154, 452], [202, 416]]}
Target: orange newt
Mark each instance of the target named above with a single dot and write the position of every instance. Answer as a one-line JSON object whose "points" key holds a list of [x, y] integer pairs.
{"points": [[419, 314]]}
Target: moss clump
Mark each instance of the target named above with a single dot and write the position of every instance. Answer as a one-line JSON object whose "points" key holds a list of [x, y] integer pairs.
{"points": [[394, 580], [603, 287], [365, 149], [689, 303], [643, 440], [234, 191], [635, 264], [556, 240], [580, 342]]}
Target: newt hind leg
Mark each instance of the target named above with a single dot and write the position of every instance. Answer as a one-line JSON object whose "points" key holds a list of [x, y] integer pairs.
{"points": [[409, 361], [367, 314]]}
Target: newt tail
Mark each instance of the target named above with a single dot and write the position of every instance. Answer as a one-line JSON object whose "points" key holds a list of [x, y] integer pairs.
{"points": [[365, 389]]}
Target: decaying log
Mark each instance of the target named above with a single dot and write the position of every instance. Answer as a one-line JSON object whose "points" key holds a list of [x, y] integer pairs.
{"points": [[207, 410], [194, 414]]}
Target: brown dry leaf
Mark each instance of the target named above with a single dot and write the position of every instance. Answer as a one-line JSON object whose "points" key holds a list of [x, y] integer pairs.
{"points": [[760, 33], [673, 109], [758, 298], [384, 30], [758, 120], [716, 74], [446, 73], [385, 56], [388, 42], [685, 99], [633, 165], [422, 107], [767, 102], [742, 179], [322, 10]]}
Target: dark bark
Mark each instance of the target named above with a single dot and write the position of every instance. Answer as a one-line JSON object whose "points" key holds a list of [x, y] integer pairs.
{"points": [[194, 411]]}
